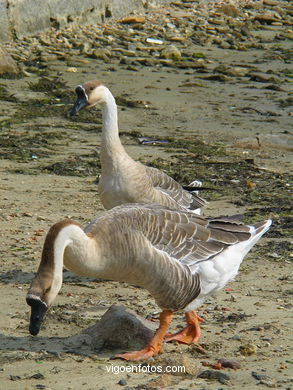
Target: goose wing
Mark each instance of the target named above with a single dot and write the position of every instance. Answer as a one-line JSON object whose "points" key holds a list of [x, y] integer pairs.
{"points": [[190, 238], [166, 184], [174, 242], [185, 236]]}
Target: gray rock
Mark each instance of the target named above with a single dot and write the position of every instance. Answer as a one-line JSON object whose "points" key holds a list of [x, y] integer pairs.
{"points": [[5, 34], [171, 52], [27, 17], [120, 328], [214, 374], [102, 54], [7, 64]]}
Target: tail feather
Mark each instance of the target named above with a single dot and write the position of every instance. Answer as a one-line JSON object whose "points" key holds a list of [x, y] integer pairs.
{"points": [[262, 227]]}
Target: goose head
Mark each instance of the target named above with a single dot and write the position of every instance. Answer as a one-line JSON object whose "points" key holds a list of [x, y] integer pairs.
{"points": [[88, 95], [38, 311], [48, 279], [43, 291]]}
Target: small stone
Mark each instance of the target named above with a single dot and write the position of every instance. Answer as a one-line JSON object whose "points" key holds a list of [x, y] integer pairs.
{"points": [[14, 377], [248, 349], [266, 18], [229, 10], [218, 77], [154, 41], [229, 363], [264, 379], [225, 45], [41, 218], [245, 31], [122, 382], [227, 70], [259, 78], [71, 69], [214, 374], [133, 20], [171, 52], [85, 48], [161, 382], [102, 54], [7, 64], [38, 375], [27, 214]]}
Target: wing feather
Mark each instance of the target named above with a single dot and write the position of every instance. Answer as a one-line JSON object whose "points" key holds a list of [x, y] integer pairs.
{"points": [[185, 236], [166, 184]]}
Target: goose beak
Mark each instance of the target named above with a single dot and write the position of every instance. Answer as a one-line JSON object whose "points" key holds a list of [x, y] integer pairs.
{"points": [[80, 103], [38, 311]]}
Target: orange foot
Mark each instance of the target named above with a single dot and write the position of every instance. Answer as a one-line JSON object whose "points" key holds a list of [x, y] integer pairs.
{"points": [[155, 345], [145, 353], [191, 333]]}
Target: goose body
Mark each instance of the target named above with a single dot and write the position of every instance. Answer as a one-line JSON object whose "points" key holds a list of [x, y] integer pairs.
{"points": [[179, 257], [124, 180]]}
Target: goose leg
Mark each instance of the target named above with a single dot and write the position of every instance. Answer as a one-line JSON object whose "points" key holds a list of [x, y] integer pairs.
{"points": [[191, 333], [155, 345]]}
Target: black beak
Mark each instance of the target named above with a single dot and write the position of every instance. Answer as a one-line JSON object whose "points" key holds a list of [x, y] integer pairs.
{"points": [[81, 101], [38, 311]]}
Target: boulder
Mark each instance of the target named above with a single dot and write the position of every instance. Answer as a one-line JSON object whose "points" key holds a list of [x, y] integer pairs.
{"points": [[7, 64], [121, 328]]}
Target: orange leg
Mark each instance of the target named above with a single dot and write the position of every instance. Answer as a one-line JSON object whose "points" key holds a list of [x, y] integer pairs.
{"points": [[155, 345], [191, 333]]}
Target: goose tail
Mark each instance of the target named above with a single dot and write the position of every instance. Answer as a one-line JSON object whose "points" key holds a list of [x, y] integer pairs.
{"points": [[257, 230]]}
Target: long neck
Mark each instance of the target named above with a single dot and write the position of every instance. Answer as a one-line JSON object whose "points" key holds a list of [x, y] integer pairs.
{"points": [[111, 144], [78, 252], [66, 244]]}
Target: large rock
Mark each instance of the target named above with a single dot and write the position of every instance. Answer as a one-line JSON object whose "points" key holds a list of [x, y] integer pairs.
{"points": [[5, 34], [24, 17], [7, 64], [121, 328]]}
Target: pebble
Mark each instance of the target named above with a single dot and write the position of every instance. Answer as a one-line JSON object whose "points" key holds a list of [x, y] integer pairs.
{"points": [[171, 52], [133, 20], [72, 70], [223, 24], [248, 349], [264, 379], [161, 382], [102, 54], [215, 374], [7, 64], [229, 363], [154, 41]]}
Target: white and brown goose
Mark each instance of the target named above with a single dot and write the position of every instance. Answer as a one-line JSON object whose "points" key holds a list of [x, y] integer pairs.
{"points": [[179, 257], [124, 180]]}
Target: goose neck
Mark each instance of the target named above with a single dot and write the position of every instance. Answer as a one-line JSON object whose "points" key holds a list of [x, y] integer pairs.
{"points": [[111, 143]]}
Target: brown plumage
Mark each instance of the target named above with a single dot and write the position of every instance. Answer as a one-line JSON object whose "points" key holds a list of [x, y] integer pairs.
{"points": [[124, 180], [179, 257]]}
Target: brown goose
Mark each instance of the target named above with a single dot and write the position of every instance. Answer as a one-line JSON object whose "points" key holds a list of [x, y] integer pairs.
{"points": [[179, 257], [124, 180]]}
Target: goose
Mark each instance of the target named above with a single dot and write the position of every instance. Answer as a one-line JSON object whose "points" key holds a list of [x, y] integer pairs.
{"points": [[181, 258], [122, 179]]}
